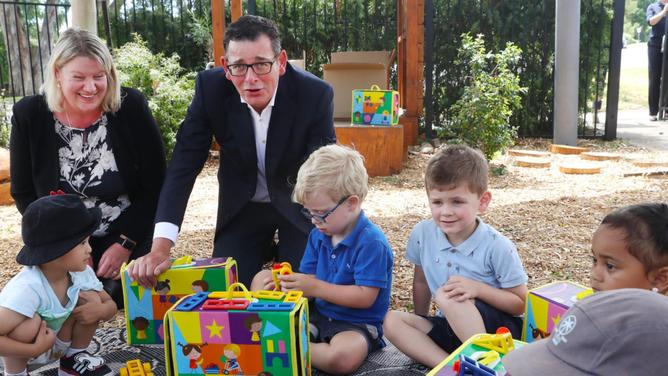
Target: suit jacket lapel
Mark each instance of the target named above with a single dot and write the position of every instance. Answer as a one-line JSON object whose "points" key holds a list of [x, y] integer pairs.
{"points": [[280, 125], [241, 124]]}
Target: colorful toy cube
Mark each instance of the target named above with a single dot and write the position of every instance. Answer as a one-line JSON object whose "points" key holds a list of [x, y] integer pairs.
{"points": [[480, 355], [145, 308], [545, 305], [238, 333], [375, 107]]}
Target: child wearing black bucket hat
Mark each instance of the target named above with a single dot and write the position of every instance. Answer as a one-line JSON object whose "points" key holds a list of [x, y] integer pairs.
{"points": [[51, 308]]}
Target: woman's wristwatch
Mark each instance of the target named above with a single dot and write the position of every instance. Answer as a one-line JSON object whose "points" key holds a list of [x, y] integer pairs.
{"points": [[126, 243]]}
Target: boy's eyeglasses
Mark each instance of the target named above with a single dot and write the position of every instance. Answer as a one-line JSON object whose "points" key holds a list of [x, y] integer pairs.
{"points": [[321, 218], [260, 69]]}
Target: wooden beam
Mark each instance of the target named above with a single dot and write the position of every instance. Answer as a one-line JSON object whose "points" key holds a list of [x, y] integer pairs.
{"points": [[218, 30], [410, 64], [236, 9]]}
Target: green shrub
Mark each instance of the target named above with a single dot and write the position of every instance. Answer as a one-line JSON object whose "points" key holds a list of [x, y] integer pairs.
{"points": [[164, 82], [481, 116]]}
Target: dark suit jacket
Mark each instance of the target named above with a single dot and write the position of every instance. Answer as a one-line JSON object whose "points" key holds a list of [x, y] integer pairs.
{"points": [[301, 121], [135, 140]]}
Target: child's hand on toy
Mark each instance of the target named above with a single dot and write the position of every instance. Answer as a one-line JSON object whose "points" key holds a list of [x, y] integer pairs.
{"points": [[44, 340], [306, 283], [459, 289]]}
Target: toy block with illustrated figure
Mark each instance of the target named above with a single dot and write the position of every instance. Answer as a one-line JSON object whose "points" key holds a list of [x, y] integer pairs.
{"points": [[236, 332], [545, 305], [145, 308], [480, 355]]}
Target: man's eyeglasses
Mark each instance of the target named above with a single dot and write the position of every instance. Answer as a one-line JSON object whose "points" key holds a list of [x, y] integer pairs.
{"points": [[321, 218], [260, 68]]}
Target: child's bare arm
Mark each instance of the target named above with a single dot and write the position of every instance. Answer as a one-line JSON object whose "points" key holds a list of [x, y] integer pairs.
{"points": [[95, 310], [9, 347], [509, 300], [351, 296], [421, 293]]}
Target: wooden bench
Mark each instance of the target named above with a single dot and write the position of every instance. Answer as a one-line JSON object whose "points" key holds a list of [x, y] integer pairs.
{"points": [[382, 147]]}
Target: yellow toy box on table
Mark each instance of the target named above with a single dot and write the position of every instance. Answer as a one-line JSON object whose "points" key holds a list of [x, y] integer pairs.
{"points": [[238, 333], [375, 107], [145, 308], [545, 306], [480, 355]]}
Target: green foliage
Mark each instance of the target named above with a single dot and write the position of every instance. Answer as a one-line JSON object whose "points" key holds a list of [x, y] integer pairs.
{"points": [[169, 90], [481, 116], [635, 17]]}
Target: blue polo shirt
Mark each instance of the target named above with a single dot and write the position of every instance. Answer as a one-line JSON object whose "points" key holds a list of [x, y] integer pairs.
{"points": [[363, 258], [486, 256]]}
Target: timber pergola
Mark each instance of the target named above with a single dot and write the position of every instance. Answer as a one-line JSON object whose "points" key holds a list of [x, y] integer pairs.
{"points": [[410, 56]]}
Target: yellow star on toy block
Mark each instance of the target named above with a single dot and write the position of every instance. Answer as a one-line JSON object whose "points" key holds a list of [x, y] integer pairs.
{"points": [[214, 329], [555, 320]]}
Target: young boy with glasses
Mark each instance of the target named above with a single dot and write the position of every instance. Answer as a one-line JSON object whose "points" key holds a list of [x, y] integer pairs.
{"points": [[347, 264]]}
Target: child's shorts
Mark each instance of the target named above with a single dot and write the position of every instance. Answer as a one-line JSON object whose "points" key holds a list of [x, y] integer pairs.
{"points": [[326, 328], [443, 335], [50, 356]]}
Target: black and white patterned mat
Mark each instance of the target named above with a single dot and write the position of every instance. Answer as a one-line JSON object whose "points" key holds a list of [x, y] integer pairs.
{"points": [[111, 344]]}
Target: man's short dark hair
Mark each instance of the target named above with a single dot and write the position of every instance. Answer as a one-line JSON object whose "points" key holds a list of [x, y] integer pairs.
{"points": [[249, 28]]}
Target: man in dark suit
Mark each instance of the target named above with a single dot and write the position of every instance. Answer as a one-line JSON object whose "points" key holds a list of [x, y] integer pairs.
{"points": [[267, 117]]}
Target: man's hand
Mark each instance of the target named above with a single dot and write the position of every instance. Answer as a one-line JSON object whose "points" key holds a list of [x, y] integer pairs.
{"points": [[306, 283], [145, 269], [44, 340], [111, 261], [458, 288]]}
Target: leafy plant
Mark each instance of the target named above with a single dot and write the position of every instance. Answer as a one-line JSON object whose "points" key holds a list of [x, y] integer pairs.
{"points": [[164, 82], [481, 117]]}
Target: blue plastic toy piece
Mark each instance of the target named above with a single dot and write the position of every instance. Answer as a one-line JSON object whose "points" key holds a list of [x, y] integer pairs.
{"points": [[468, 366], [271, 306], [192, 301]]}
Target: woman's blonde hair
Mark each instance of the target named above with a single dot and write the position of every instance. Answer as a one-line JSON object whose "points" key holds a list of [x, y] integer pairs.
{"points": [[339, 170], [75, 42]]}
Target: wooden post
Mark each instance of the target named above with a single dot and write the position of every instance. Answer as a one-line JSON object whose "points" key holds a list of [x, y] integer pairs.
{"points": [[84, 15], [218, 29], [236, 9], [410, 65]]}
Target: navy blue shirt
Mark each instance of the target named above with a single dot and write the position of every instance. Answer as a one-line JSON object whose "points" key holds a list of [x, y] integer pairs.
{"points": [[363, 258], [657, 31]]}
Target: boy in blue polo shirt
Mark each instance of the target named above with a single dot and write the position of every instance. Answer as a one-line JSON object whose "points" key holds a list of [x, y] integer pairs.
{"points": [[347, 264], [473, 272]]}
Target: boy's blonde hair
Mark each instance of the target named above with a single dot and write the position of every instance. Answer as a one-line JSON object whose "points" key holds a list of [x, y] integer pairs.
{"points": [[455, 165], [339, 170], [75, 42]]}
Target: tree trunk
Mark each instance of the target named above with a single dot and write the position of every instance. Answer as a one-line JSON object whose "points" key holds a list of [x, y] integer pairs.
{"points": [[48, 35], [18, 55]]}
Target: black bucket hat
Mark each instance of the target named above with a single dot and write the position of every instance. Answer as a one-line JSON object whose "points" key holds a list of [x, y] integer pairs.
{"points": [[54, 225]]}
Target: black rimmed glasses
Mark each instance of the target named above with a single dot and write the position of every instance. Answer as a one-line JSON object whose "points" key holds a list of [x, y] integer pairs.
{"points": [[261, 68], [322, 218]]}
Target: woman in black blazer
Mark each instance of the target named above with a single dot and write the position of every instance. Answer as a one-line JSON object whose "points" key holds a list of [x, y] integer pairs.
{"points": [[88, 136]]}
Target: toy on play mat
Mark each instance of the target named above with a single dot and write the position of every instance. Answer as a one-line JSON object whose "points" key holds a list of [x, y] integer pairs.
{"points": [[480, 355], [136, 368], [238, 332]]}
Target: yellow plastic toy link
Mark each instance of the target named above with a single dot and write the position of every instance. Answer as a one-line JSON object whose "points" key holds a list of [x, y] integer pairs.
{"points": [[502, 343], [280, 269], [293, 296], [136, 368], [269, 295], [583, 294]]}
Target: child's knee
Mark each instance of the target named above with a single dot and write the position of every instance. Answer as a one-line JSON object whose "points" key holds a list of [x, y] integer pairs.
{"points": [[344, 361], [391, 321], [27, 330]]}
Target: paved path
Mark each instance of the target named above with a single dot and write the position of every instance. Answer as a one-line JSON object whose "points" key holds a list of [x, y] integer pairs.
{"points": [[635, 127]]}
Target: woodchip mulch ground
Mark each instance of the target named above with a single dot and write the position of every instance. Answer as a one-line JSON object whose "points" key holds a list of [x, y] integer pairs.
{"points": [[549, 215]]}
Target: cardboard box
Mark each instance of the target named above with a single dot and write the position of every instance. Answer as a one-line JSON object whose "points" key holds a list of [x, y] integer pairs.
{"points": [[545, 305], [236, 333], [375, 107], [354, 70], [472, 349], [146, 308]]}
